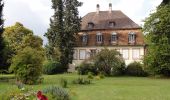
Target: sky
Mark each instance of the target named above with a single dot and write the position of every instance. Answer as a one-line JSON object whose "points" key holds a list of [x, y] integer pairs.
{"points": [[35, 14]]}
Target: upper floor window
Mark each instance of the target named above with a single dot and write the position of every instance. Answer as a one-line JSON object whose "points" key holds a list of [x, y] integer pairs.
{"points": [[113, 37], [90, 25], [99, 37], [131, 37], [84, 38]]}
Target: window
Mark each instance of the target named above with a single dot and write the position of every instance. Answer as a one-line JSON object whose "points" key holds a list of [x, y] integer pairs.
{"points": [[90, 25], [113, 37], [136, 54], [132, 37], [99, 37], [92, 52], [75, 55], [112, 24], [82, 54], [85, 38], [125, 53]]}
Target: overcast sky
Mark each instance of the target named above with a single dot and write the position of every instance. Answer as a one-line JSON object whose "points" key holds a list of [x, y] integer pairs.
{"points": [[35, 14]]}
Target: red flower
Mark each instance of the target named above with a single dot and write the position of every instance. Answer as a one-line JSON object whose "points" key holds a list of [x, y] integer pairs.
{"points": [[40, 96]]}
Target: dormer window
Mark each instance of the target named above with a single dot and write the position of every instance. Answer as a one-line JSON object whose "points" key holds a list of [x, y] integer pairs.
{"points": [[99, 37], [90, 25], [84, 38], [112, 24], [132, 37], [113, 37]]}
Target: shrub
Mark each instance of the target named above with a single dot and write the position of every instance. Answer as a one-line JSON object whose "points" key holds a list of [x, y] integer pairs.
{"points": [[82, 81], [52, 67], [90, 75], [135, 69], [86, 67], [109, 62], [101, 75], [63, 82], [56, 93], [27, 65]]}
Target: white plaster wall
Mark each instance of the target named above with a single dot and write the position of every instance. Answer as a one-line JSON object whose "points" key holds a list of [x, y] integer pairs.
{"points": [[119, 48]]}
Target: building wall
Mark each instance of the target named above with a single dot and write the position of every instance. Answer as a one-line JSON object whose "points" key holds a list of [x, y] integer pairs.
{"points": [[131, 51]]}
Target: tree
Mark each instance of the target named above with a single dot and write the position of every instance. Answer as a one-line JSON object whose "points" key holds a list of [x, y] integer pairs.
{"points": [[64, 26], [157, 59], [110, 62], [164, 2], [2, 43], [27, 65]]}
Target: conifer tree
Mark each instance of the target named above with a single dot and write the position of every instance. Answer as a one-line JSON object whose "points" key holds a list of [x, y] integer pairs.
{"points": [[2, 44], [64, 26]]}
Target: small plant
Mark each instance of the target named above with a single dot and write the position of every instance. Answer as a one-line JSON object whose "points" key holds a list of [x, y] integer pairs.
{"points": [[82, 81], [90, 75], [63, 83], [101, 75], [56, 93]]}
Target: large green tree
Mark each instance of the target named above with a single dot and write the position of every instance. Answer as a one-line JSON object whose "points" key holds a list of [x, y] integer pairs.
{"points": [[2, 44], [65, 24], [157, 27]]}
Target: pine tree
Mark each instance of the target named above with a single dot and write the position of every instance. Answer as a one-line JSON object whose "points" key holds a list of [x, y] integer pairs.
{"points": [[2, 44], [64, 26], [71, 28]]}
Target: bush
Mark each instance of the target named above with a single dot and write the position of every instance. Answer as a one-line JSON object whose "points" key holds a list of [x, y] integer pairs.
{"points": [[90, 75], [52, 67], [56, 93], [82, 81], [27, 65], [135, 69], [109, 62], [63, 82], [86, 67]]}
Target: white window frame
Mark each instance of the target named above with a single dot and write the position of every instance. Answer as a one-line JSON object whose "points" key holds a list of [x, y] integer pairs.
{"points": [[99, 37], [132, 37], [114, 37], [80, 56], [125, 52], [75, 55], [134, 55]]}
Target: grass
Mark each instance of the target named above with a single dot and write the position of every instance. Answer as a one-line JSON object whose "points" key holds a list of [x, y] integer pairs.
{"points": [[110, 88]]}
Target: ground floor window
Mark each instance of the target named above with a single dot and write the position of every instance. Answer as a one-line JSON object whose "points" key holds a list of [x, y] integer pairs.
{"points": [[82, 54], [136, 54], [125, 53], [75, 55]]}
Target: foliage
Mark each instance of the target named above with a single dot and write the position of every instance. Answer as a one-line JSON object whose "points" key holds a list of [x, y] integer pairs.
{"points": [[63, 83], [18, 37], [52, 67], [64, 26], [52, 53], [81, 81], [90, 75], [56, 93], [27, 65], [135, 69], [110, 62], [86, 67], [157, 27], [2, 42]]}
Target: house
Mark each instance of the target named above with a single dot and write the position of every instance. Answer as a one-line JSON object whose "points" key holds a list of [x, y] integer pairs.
{"points": [[111, 29]]}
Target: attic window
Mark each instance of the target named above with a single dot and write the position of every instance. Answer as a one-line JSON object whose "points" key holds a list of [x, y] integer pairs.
{"points": [[132, 37], [90, 25], [112, 24]]}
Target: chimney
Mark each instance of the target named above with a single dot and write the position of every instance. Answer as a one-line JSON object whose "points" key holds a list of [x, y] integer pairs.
{"points": [[110, 7], [97, 8]]}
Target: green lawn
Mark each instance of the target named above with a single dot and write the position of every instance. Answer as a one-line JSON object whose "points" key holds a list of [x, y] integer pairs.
{"points": [[112, 88]]}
